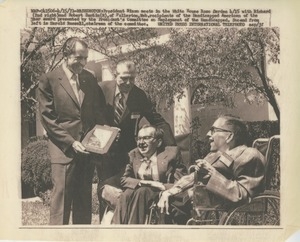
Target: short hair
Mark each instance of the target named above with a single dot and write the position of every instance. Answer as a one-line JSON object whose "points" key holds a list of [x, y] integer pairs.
{"points": [[69, 46], [159, 133], [238, 127], [128, 63]]}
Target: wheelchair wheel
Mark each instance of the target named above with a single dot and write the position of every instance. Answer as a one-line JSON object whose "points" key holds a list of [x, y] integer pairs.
{"points": [[210, 217], [262, 210]]}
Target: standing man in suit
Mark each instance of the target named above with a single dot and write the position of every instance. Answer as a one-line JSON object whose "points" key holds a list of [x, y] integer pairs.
{"points": [[70, 104], [231, 174], [126, 105], [146, 175]]}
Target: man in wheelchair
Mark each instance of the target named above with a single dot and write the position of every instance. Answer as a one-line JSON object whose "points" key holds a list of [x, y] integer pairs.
{"points": [[147, 173], [229, 175]]}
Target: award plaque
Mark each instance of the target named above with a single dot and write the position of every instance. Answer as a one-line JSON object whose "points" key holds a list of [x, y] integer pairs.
{"points": [[100, 139]]}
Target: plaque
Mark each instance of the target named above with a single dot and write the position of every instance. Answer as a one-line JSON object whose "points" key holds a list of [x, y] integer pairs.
{"points": [[100, 139]]}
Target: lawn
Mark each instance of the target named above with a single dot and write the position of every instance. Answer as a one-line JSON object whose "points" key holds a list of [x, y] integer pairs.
{"points": [[36, 213]]}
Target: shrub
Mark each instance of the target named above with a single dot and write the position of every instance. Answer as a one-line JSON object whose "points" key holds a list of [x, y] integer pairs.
{"points": [[45, 196], [200, 149], [262, 129], [36, 167], [95, 200]]}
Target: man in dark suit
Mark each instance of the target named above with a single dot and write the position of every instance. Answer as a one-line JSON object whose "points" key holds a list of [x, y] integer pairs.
{"points": [[231, 174], [70, 104], [148, 173], [126, 105]]}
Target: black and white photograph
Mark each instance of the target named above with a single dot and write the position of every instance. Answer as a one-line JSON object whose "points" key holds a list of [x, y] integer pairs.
{"points": [[205, 97], [155, 119]]}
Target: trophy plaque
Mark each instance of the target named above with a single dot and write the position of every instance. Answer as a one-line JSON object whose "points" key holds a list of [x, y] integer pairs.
{"points": [[100, 139]]}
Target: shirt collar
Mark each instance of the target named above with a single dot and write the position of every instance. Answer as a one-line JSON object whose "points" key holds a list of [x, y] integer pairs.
{"points": [[118, 91], [153, 158], [236, 151]]}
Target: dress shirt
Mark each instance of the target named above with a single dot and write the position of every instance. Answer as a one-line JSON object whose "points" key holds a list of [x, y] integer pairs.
{"points": [[74, 82], [153, 168], [125, 95]]}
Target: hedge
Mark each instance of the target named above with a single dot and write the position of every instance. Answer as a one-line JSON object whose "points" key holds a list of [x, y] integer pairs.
{"points": [[35, 167]]}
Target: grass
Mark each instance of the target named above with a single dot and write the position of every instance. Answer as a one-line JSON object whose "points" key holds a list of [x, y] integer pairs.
{"points": [[36, 213]]}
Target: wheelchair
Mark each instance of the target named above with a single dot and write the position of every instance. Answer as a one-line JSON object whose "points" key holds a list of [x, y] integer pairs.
{"points": [[263, 209]]}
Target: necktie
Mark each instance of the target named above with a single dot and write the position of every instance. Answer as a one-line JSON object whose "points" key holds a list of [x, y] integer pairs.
{"points": [[76, 88], [119, 108], [148, 174]]}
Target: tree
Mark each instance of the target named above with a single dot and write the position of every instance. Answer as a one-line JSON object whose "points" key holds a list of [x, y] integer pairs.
{"points": [[219, 61], [41, 52]]}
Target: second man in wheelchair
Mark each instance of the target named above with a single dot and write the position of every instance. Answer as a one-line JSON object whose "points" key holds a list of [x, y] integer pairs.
{"points": [[152, 168], [230, 174]]}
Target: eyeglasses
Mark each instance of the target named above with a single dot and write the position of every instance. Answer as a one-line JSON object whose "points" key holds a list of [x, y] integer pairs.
{"points": [[145, 138], [215, 130], [78, 58]]}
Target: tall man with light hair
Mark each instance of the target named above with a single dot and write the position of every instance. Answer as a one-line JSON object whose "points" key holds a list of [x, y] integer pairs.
{"points": [[70, 104]]}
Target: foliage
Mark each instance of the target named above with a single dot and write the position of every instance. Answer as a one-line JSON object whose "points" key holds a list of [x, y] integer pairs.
{"points": [[46, 197], [41, 52], [216, 62], [220, 61], [95, 200], [40, 48], [35, 213], [35, 166], [262, 129]]}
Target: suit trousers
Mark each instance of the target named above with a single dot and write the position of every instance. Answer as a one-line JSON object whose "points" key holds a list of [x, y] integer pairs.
{"points": [[72, 187], [133, 205]]}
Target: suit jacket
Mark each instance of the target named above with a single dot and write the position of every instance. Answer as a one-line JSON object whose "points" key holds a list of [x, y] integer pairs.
{"points": [[239, 176], [138, 105], [168, 162], [61, 114]]}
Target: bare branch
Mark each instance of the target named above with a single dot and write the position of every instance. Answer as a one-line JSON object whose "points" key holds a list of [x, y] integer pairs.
{"points": [[40, 45]]}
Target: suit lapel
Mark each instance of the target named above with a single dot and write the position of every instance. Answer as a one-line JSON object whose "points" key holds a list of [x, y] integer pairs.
{"points": [[161, 164], [67, 86], [110, 93], [137, 163], [83, 87], [131, 95]]}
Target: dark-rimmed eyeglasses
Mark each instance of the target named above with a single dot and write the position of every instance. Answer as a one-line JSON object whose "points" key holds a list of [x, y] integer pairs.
{"points": [[215, 130], [145, 138]]}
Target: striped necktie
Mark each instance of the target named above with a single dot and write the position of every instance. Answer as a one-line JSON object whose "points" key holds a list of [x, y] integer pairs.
{"points": [[119, 108]]}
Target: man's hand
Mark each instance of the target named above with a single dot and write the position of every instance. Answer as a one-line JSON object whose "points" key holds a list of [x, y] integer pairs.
{"points": [[79, 148], [163, 202], [155, 184], [203, 164]]}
